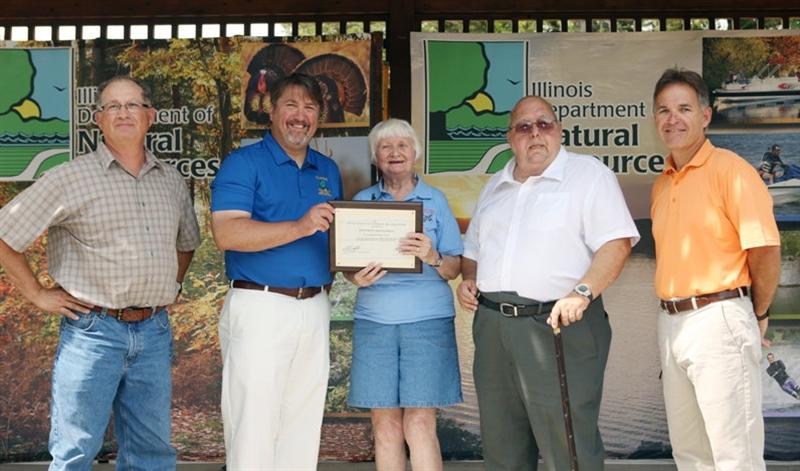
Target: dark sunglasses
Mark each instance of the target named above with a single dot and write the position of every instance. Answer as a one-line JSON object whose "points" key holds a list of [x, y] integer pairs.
{"points": [[526, 127]]}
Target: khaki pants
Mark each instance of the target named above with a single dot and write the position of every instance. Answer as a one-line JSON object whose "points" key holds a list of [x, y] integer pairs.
{"points": [[712, 386], [274, 379]]}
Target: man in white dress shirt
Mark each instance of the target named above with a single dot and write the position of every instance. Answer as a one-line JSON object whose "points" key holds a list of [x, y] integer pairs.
{"points": [[550, 233]]}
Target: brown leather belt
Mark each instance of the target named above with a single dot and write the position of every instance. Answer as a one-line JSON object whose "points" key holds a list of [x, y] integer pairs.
{"points": [[129, 314], [297, 293], [696, 302]]}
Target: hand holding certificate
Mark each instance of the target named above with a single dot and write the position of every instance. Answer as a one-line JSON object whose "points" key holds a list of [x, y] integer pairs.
{"points": [[364, 232]]}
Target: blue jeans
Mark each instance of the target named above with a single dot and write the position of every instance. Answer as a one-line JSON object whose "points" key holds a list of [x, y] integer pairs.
{"points": [[103, 363]]}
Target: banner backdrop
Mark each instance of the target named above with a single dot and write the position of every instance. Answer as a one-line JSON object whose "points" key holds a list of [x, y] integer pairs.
{"points": [[600, 84], [213, 95]]}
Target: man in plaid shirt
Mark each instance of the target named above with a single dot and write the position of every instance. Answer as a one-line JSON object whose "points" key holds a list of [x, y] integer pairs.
{"points": [[121, 234]]}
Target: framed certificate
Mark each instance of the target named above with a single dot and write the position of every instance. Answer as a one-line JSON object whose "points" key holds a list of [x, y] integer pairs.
{"points": [[370, 231]]}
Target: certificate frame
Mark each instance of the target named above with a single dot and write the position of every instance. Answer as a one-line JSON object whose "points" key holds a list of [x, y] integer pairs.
{"points": [[406, 213]]}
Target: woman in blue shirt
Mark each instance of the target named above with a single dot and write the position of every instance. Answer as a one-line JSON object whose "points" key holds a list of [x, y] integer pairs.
{"points": [[405, 361]]}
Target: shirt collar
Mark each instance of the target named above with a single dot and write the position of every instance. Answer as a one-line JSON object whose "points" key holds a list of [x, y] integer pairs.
{"points": [[697, 160], [554, 171], [106, 158], [280, 155], [421, 191]]}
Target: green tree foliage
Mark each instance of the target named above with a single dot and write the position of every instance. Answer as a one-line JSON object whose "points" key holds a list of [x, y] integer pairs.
{"points": [[16, 75], [725, 56], [194, 73], [459, 68]]}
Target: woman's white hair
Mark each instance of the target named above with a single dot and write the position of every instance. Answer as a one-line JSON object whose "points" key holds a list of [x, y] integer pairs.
{"points": [[392, 127]]}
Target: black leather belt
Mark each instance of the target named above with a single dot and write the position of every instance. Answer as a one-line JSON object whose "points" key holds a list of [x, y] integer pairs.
{"points": [[517, 310], [297, 293], [703, 300]]}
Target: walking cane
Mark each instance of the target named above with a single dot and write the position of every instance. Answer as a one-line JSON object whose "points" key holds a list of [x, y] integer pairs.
{"points": [[562, 381]]}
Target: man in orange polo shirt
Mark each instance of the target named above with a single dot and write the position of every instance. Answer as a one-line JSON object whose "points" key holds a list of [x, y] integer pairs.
{"points": [[717, 268]]}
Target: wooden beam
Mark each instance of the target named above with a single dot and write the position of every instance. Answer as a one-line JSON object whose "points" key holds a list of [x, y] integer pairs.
{"points": [[81, 11], [497, 8], [401, 23], [175, 10]]}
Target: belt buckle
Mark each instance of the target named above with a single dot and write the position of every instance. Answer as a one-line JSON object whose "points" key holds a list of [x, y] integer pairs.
{"points": [[300, 293], [514, 312]]}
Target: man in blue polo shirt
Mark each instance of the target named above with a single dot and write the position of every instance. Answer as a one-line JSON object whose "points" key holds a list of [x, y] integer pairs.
{"points": [[270, 215]]}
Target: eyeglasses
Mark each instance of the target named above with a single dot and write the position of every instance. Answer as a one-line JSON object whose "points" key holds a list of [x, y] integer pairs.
{"points": [[132, 107], [526, 127]]}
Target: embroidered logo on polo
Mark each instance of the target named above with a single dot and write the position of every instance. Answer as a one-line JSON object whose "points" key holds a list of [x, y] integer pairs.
{"points": [[428, 214], [322, 186]]}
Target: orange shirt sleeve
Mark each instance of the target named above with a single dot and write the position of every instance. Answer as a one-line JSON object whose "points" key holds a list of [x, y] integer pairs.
{"points": [[748, 204]]}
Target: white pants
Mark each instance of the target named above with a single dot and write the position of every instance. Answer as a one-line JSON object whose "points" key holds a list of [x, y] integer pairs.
{"points": [[274, 379], [712, 386]]}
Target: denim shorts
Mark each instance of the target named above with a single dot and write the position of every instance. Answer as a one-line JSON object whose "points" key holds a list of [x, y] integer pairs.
{"points": [[404, 365]]}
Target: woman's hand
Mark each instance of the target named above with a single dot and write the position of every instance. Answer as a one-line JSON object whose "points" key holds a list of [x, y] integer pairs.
{"points": [[367, 275], [419, 245]]}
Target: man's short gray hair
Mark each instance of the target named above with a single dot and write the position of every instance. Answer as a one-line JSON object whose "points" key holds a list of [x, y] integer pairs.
{"points": [[392, 127], [147, 95]]}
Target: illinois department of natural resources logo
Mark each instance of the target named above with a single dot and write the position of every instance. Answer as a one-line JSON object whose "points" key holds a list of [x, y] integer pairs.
{"points": [[471, 88], [35, 111]]}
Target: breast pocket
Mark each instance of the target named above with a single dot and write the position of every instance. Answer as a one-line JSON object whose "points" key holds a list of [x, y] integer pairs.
{"points": [[547, 211]]}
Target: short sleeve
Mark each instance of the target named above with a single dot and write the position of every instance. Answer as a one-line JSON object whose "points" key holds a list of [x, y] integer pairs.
{"points": [[188, 230], [235, 184], [748, 204], [606, 216], [471, 239], [30, 213], [449, 240]]}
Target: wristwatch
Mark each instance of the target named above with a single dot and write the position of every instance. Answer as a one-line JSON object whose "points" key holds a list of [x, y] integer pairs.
{"points": [[584, 290], [438, 262]]}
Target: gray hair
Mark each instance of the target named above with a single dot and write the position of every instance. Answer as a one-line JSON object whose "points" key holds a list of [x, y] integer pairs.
{"points": [[683, 77], [392, 127], [147, 95]]}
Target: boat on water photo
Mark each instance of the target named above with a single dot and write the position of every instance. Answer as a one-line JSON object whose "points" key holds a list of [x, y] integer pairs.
{"points": [[765, 88]]}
